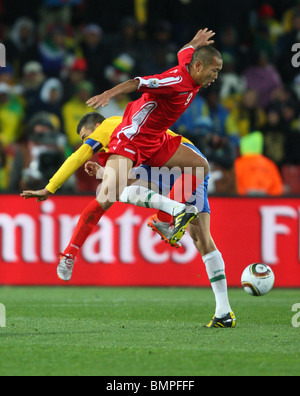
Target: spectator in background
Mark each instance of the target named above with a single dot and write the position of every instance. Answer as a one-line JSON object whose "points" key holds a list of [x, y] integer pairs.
{"points": [[255, 173], [76, 74], [96, 54], [40, 154], [162, 51], [291, 124], [120, 50], [262, 42], [119, 71], [296, 86], [275, 137], [247, 116], [216, 147], [56, 51], [288, 17], [11, 116], [21, 47], [7, 77], [127, 41], [3, 169], [232, 85], [292, 148], [229, 43], [32, 81], [217, 112], [286, 103], [11, 129], [280, 96], [290, 116], [266, 18], [50, 100], [263, 77], [74, 110], [220, 152]]}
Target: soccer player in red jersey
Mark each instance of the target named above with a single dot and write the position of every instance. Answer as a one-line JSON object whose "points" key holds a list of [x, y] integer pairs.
{"points": [[142, 139]]}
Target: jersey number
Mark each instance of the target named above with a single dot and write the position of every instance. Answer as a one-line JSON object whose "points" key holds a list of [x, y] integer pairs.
{"points": [[190, 97]]}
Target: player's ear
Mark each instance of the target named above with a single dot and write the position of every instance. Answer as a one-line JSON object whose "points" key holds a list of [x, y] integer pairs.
{"points": [[199, 66]]}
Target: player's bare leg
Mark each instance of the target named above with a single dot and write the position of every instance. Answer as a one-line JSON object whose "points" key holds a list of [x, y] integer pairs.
{"points": [[115, 179], [199, 230]]}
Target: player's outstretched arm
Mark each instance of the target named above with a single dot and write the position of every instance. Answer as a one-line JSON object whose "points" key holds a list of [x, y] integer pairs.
{"points": [[68, 168], [91, 168], [41, 195], [203, 37], [103, 99]]}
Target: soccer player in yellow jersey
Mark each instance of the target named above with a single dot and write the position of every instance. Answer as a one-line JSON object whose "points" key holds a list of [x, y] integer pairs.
{"points": [[95, 132]]}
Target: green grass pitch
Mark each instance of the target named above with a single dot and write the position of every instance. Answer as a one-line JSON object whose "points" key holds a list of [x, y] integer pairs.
{"points": [[73, 331]]}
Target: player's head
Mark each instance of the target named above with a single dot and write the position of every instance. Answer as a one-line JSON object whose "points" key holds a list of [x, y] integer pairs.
{"points": [[205, 65], [89, 123]]}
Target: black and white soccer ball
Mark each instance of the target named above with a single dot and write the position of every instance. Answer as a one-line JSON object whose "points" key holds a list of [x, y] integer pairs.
{"points": [[258, 279]]}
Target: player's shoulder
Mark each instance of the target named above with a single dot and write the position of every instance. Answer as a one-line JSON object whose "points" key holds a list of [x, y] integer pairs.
{"points": [[109, 123], [185, 55], [106, 127], [116, 120]]}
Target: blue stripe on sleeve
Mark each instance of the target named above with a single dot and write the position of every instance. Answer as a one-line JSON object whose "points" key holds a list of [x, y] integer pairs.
{"points": [[94, 144]]}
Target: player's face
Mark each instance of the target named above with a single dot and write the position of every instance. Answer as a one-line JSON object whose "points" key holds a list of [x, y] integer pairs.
{"points": [[208, 75], [86, 132]]}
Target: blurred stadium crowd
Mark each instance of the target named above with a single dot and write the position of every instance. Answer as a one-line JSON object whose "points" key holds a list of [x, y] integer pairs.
{"points": [[61, 52]]}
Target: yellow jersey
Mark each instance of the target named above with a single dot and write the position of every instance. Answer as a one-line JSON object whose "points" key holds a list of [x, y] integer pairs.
{"points": [[98, 141]]}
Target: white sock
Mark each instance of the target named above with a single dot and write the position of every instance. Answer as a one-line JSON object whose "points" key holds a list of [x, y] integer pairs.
{"points": [[215, 268], [142, 196]]}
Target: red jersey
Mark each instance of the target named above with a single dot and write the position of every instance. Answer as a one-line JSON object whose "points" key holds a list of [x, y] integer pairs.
{"points": [[165, 97], [142, 135]]}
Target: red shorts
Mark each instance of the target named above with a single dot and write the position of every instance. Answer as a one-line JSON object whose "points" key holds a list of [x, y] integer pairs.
{"points": [[142, 151]]}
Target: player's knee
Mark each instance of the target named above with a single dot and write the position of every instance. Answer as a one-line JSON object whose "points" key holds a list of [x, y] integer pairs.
{"points": [[205, 165], [201, 167], [204, 247]]}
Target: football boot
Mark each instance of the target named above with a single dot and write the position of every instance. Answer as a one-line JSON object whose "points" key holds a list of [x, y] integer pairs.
{"points": [[228, 321]]}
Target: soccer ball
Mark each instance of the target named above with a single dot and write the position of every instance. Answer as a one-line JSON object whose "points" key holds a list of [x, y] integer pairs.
{"points": [[258, 279]]}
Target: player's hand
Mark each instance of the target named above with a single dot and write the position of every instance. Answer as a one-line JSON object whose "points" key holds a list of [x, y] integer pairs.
{"points": [[203, 37], [99, 100], [41, 195], [92, 168]]}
